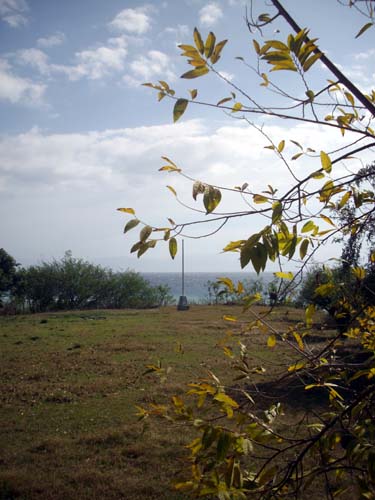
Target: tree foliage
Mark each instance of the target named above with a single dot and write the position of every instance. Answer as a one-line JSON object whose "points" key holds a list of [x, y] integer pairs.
{"points": [[241, 450], [8, 273], [72, 283]]}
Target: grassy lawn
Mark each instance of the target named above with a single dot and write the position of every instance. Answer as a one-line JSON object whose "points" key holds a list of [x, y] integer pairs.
{"points": [[69, 385]]}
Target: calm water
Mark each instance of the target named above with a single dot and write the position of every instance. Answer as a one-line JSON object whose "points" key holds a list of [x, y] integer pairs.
{"points": [[196, 287]]}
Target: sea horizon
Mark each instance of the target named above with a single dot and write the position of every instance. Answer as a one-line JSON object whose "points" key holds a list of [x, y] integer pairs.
{"points": [[195, 286]]}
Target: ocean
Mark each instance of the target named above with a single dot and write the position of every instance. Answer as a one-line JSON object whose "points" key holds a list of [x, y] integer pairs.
{"points": [[196, 284]]}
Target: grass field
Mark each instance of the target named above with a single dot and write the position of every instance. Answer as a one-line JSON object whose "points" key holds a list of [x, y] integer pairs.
{"points": [[69, 385]]}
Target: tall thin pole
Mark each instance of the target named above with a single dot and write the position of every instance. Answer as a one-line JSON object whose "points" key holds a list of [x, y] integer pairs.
{"points": [[183, 269]]}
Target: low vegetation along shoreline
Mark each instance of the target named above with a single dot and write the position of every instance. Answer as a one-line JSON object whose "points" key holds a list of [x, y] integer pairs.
{"points": [[70, 383]]}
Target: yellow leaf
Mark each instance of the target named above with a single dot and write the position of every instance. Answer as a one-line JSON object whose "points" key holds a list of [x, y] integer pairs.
{"points": [[209, 45], [285, 276], [169, 168], [234, 246], [237, 107], [310, 310], [227, 400], [296, 367], [327, 219], [195, 73], [298, 338], [258, 198], [229, 318], [198, 41], [193, 93], [344, 200], [326, 162], [359, 272], [173, 247], [271, 341], [217, 51], [126, 210], [281, 146], [172, 190], [227, 282]]}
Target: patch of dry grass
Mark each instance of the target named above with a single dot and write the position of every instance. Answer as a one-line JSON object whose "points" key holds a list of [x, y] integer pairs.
{"points": [[69, 385]]}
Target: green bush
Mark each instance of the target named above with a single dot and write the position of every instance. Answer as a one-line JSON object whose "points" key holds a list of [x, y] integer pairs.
{"points": [[77, 284]]}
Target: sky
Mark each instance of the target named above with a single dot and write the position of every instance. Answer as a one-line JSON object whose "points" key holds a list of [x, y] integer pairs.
{"points": [[80, 136]]}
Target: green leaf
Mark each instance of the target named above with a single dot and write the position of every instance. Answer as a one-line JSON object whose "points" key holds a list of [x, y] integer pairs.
{"points": [[145, 233], [310, 94], [209, 45], [317, 175], [179, 108], [211, 198], [195, 73], [308, 63], [296, 156], [223, 445], [259, 257], [173, 247], [198, 41], [326, 162], [142, 249], [363, 29], [258, 198], [297, 144], [303, 248], [276, 212], [309, 226], [132, 223], [281, 146], [136, 247], [222, 101]]}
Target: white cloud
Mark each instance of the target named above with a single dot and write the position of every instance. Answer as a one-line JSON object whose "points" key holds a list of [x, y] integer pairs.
{"points": [[210, 14], [34, 58], [368, 54], [136, 21], [74, 182], [18, 90], [180, 31], [226, 75], [13, 12], [101, 61], [51, 41], [93, 64], [146, 67]]}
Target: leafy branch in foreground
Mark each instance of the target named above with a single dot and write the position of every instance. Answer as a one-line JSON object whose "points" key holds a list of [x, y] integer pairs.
{"points": [[243, 448]]}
